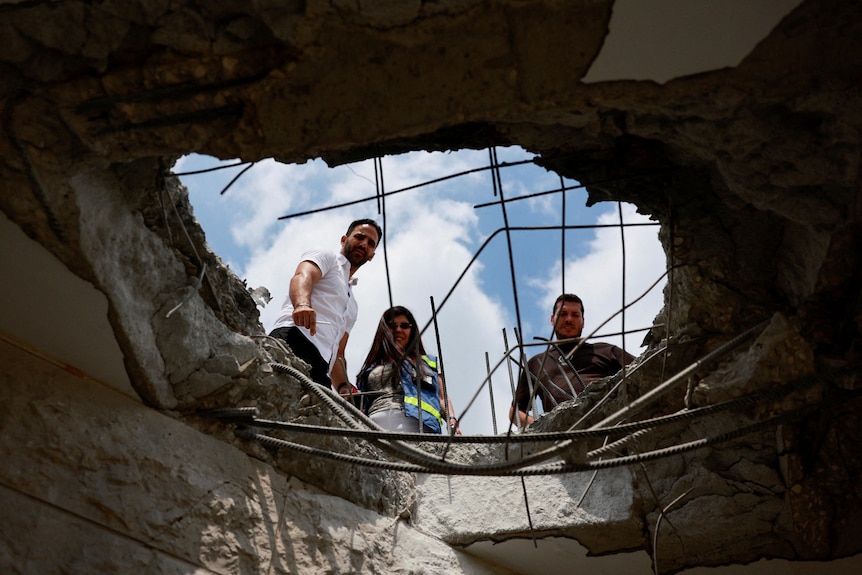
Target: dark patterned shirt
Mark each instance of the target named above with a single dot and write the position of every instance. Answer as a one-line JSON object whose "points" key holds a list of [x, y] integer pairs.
{"points": [[558, 382]]}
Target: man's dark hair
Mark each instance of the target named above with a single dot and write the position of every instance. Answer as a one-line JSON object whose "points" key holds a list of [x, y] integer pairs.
{"points": [[366, 222], [568, 297]]}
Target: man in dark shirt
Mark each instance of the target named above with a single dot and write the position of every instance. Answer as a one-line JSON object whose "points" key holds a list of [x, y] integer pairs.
{"points": [[557, 375]]}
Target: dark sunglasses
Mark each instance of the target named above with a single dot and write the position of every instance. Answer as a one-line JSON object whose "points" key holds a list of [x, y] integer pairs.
{"points": [[402, 325]]}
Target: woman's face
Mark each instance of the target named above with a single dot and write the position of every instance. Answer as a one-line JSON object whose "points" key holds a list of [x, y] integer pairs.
{"points": [[401, 329]]}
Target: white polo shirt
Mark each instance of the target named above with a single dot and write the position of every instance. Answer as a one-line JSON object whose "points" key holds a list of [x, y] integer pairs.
{"points": [[332, 299]]}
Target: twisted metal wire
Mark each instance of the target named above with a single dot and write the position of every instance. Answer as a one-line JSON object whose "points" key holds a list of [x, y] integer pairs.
{"points": [[404, 450], [247, 416], [519, 470], [422, 462]]}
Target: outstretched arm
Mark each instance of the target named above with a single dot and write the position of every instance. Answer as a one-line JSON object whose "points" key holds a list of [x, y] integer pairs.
{"points": [[301, 285]]}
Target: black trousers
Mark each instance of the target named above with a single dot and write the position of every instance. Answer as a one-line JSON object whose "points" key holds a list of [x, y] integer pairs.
{"points": [[306, 351]]}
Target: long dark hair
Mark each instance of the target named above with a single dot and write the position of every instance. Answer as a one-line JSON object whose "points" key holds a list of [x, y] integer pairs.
{"points": [[385, 350]]}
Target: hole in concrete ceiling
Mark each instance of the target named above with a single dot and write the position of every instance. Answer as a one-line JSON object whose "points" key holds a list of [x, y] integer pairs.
{"points": [[447, 247]]}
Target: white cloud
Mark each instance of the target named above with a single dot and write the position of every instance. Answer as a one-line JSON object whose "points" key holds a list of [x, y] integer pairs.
{"points": [[272, 190]]}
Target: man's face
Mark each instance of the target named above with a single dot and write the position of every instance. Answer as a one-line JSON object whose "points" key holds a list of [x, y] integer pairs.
{"points": [[359, 246], [568, 321]]}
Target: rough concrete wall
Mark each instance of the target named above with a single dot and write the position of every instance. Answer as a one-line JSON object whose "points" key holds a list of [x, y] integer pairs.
{"points": [[753, 172]]}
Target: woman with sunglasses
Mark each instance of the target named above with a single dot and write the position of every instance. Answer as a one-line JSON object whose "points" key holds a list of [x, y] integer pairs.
{"points": [[399, 380]]}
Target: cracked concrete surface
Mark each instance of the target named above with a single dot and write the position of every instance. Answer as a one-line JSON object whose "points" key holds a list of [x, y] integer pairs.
{"points": [[748, 157]]}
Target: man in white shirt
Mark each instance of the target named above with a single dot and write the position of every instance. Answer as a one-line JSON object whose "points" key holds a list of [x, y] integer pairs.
{"points": [[320, 310]]}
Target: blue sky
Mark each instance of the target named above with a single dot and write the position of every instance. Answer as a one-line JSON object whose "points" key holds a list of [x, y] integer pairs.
{"points": [[432, 233]]}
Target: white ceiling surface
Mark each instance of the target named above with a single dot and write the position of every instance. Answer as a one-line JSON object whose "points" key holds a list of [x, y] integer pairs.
{"points": [[561, 556], [52, 313], [558, 556], [660, 40]]}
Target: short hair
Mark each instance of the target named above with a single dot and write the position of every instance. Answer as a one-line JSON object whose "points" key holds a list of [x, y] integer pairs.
{"points": [[366, 222], [567, 297]]}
